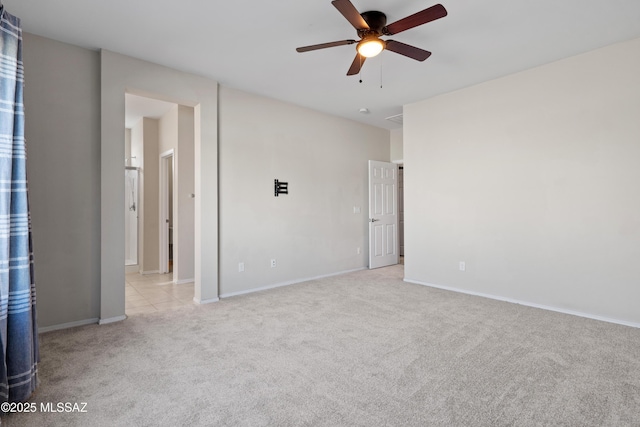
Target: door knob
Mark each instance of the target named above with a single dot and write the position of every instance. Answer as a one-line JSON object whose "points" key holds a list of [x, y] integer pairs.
{"points": [[373, 220]]}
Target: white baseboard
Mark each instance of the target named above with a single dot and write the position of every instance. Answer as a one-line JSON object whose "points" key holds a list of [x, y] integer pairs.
{"points": [[290, 282], [205, 301], [128, 269], [111, 320], [68, 325], [529, 304], [183, 281], [150, 272]]}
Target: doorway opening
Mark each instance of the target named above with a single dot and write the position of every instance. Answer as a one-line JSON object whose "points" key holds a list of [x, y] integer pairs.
{"points": [[160, 135], [122, 76]]}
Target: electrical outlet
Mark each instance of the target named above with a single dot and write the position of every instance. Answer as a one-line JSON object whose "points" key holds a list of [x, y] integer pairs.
{"points": [[356, 209], [273, 263], [463, 266], [358, 251], [240, 267]]}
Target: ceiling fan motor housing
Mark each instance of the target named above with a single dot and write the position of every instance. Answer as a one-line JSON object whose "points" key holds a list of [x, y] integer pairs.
{"points": [[376, 21]]}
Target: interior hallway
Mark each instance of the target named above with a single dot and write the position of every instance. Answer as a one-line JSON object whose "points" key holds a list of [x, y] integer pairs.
{"points": [[155, 292]]}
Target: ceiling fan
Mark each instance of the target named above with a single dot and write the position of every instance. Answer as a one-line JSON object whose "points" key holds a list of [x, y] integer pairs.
{"points": [[373, 24]]}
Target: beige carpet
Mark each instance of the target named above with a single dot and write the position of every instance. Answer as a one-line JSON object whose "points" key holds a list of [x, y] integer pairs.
{"points": [[362, 349]]}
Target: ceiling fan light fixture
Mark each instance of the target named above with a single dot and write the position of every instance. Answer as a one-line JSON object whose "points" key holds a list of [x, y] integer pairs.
{"points": [[370, 47]]}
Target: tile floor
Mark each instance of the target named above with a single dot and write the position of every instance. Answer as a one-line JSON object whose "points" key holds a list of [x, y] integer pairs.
{"points": [[155, 292]]}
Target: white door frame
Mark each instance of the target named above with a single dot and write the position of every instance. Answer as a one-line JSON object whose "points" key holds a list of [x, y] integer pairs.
{"points": [[165, 157]]}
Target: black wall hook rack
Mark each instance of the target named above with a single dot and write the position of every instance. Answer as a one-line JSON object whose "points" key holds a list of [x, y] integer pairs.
{"points": [[280, 187]]}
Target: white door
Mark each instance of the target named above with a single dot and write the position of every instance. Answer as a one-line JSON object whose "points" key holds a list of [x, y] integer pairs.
{"points": [[383, 214]]}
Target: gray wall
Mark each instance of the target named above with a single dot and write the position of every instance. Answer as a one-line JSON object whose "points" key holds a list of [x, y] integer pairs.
{"points": [[313, 230], [177, 133], [396, 151], [145, 136], [62, 93], [532, 180], [184, 203], [127, 147], [150, 198]]}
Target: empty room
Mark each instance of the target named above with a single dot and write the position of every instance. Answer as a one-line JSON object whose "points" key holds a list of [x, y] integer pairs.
{"points": [[326, 213]]}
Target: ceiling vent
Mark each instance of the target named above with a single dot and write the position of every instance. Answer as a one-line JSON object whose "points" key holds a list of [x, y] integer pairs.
{"points": [[395, 119]]}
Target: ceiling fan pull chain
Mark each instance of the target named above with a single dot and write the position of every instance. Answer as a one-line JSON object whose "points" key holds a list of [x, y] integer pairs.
{"points": [[381, 62]]}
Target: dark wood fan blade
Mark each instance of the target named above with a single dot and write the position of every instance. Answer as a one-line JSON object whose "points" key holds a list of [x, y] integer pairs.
{"points": [[408, 50], [324, 45], [349, 11], [430, 14], [356, 65]]}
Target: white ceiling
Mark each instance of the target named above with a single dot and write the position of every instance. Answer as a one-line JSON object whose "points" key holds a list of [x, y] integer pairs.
{"points": [[250, 44], [137, 107]]}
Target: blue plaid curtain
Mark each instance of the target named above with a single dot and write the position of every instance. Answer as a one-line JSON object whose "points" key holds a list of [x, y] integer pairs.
{"points": [[18, 329]]}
